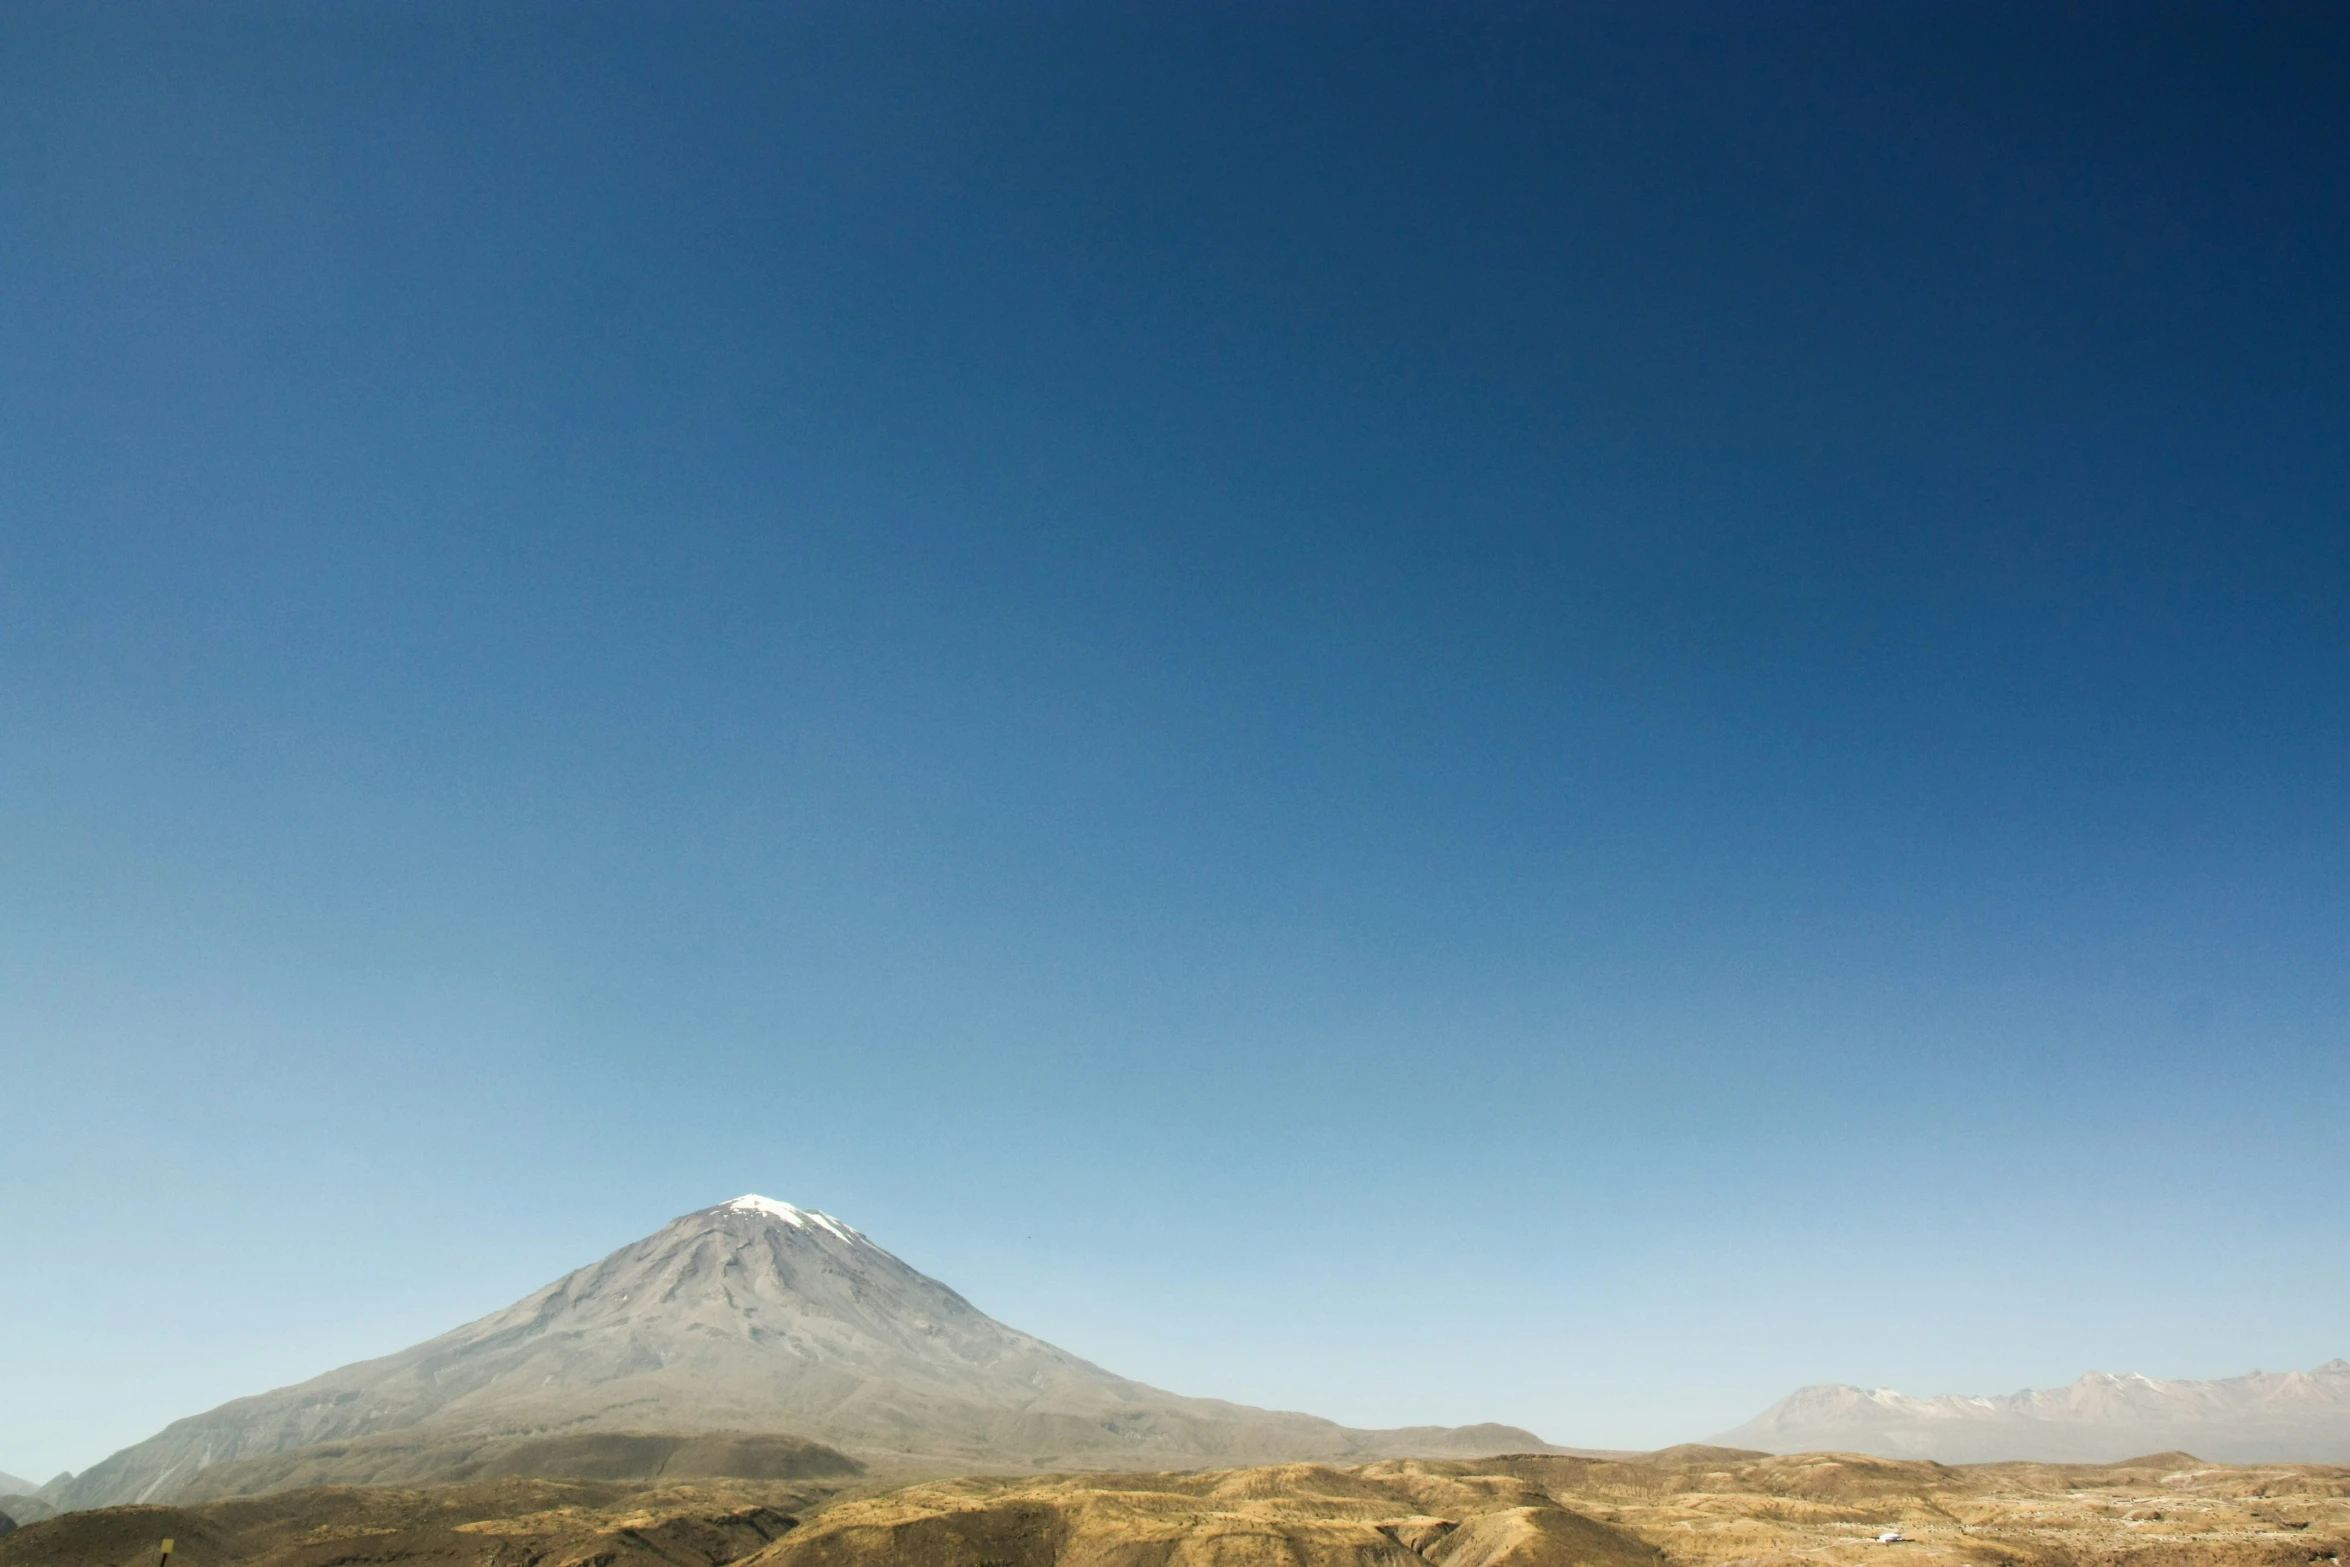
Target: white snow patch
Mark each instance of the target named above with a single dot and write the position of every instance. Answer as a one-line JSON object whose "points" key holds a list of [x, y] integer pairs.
{"points": [[797, 1218]]}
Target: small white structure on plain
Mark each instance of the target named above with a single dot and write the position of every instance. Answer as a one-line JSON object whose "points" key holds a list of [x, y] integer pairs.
{"points": [[1891, 1537]]}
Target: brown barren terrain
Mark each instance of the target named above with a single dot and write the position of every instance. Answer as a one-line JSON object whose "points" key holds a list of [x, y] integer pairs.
{"points": [[1704, 1507], [508, 1523]]}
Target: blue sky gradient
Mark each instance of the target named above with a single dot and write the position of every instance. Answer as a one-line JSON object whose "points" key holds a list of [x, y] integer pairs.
{"points": [[1560, 714]]}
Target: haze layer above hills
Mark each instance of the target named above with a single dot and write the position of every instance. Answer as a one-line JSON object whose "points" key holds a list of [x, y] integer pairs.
{"points": [[2263, 1417], [751, 1316]]}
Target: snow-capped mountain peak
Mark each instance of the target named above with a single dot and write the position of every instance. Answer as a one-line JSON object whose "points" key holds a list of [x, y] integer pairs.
{"points": [[754, 1315], [797, 1218]]}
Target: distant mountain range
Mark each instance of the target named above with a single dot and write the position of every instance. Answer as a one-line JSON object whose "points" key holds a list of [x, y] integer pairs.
{"points": [[2262, 1417], [750, 1317]]}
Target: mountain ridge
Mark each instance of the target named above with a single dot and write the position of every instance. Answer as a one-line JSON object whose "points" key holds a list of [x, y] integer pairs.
{"points": [[2261, 1417]]}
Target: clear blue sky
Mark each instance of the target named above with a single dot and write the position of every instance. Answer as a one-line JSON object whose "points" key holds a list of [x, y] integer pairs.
{"points": [[1433, 712]]}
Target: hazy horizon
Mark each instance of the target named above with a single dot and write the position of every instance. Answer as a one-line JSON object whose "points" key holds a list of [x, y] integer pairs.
{"points": [[1210, 1391], [1563, 715]]}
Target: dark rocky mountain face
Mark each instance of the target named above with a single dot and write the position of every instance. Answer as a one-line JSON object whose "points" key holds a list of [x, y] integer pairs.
{"points": [[755, 1316]]}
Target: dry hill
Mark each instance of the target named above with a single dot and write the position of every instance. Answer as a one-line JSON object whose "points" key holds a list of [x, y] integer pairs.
{"points": [[508, 1523], [1683, 1508]]}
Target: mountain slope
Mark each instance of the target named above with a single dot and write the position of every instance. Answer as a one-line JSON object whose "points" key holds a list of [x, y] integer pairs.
{"points": [[2263, 1417], [758, 1316], [436, 1455]]}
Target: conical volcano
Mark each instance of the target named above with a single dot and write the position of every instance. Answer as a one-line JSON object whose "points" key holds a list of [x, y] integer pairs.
{"points": [[758, 1316]]}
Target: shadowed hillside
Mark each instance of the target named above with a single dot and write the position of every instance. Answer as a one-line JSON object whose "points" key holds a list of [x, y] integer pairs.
{"points": [[509, 1523]]}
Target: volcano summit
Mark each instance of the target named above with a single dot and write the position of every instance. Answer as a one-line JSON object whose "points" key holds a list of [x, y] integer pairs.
{"points": [[752, 1316]]}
